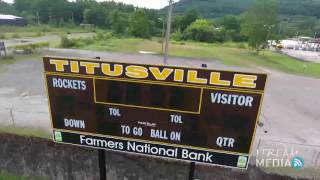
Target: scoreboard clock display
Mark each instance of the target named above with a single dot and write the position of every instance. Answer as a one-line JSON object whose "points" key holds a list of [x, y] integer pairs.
{"points": [[200, 115]]}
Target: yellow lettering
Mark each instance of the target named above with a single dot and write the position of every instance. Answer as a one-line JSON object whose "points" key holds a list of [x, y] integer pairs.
{"points": [[117, 69], [193, 78], [178, 75], [247, 81], [137, 72], [89, 66], [74, 66], [215, 80], [160, 75], [59, 64]]}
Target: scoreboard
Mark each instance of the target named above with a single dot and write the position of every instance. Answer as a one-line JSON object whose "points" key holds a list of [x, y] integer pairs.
{"points": [[199, 115]]}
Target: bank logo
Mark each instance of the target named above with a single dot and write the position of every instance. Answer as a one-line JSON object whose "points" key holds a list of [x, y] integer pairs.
{"points": [[242, 162], [297, 162], [58, 136]]}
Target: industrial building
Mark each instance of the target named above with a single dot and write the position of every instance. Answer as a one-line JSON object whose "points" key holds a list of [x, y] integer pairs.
{"points": [[11, 20]]}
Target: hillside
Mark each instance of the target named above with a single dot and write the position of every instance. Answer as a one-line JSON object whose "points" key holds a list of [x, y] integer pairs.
{"points": [[218, 8]]}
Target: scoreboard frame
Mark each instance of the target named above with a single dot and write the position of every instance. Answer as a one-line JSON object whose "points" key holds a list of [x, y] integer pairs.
{"points": [[221, 156]]}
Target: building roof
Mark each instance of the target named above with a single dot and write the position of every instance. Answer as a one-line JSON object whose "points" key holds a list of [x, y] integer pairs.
{"points": [[9, 17]]}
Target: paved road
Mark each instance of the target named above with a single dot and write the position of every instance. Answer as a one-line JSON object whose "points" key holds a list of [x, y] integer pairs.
{"points": [[290, 112]]}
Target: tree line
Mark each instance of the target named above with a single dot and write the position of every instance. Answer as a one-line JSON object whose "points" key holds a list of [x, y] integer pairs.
{"points": [[118, 17], [220, 8]]}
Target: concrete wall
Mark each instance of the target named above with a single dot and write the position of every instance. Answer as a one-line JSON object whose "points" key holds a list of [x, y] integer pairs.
{"points": [[36, 157]]}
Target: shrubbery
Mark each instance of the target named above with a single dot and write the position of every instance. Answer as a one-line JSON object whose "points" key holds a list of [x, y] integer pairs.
{"points": [[203, 31], [103, 35], [177, 36], [33, 46], [66, 42], [30, 48]]}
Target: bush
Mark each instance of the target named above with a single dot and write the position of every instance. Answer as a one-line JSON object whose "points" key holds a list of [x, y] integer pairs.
{"points": [[178, 42], [15, 35], [2, 36], [78, 43], [30, 48], [45, 29], [203, 31], [242, 46], [66, 42], [177, 36], [103, 36], [38, 34]]}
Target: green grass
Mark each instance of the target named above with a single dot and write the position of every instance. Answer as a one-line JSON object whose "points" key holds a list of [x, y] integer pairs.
{"points": [[227, 53], [25, 131], [7, 176], [9, 59], [9, 32]]}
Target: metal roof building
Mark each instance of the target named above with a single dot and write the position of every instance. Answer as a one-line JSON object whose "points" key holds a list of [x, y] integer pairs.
{"points": [[12, 20]]}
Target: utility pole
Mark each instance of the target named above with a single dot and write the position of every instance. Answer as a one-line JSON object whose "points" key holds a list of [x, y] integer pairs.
{"points": [[162, 35], [38, 17], [72, 17], [166, 50]]}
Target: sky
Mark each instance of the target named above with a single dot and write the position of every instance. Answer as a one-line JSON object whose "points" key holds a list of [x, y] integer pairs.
{"points": [[153, 4]]}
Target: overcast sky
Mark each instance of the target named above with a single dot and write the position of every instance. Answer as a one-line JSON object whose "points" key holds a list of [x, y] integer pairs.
{"points": [[154, 4]]}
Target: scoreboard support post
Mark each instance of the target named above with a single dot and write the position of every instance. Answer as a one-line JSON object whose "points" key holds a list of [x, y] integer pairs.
{"points": [[191, 170], [102, 164], [193, 164]]}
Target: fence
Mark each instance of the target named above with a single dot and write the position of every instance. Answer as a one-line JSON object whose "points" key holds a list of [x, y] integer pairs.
{"points": [[27, 111]]}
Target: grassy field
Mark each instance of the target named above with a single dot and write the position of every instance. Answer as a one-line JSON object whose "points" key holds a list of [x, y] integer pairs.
{"points": [[7, 176], [227, 53], [9, 32]]}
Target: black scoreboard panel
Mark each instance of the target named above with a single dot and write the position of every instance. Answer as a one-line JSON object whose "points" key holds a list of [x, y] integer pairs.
{"points": [[147, 95], [200, 123]]}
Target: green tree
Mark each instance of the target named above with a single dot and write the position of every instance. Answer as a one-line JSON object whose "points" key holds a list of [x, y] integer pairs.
{"points": [[232, 25], [189, 17], [95, 15], [202, 30], [231, 22], [139, 25], [119, 22], [6, 8], [22, 5], [259, 21]]}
